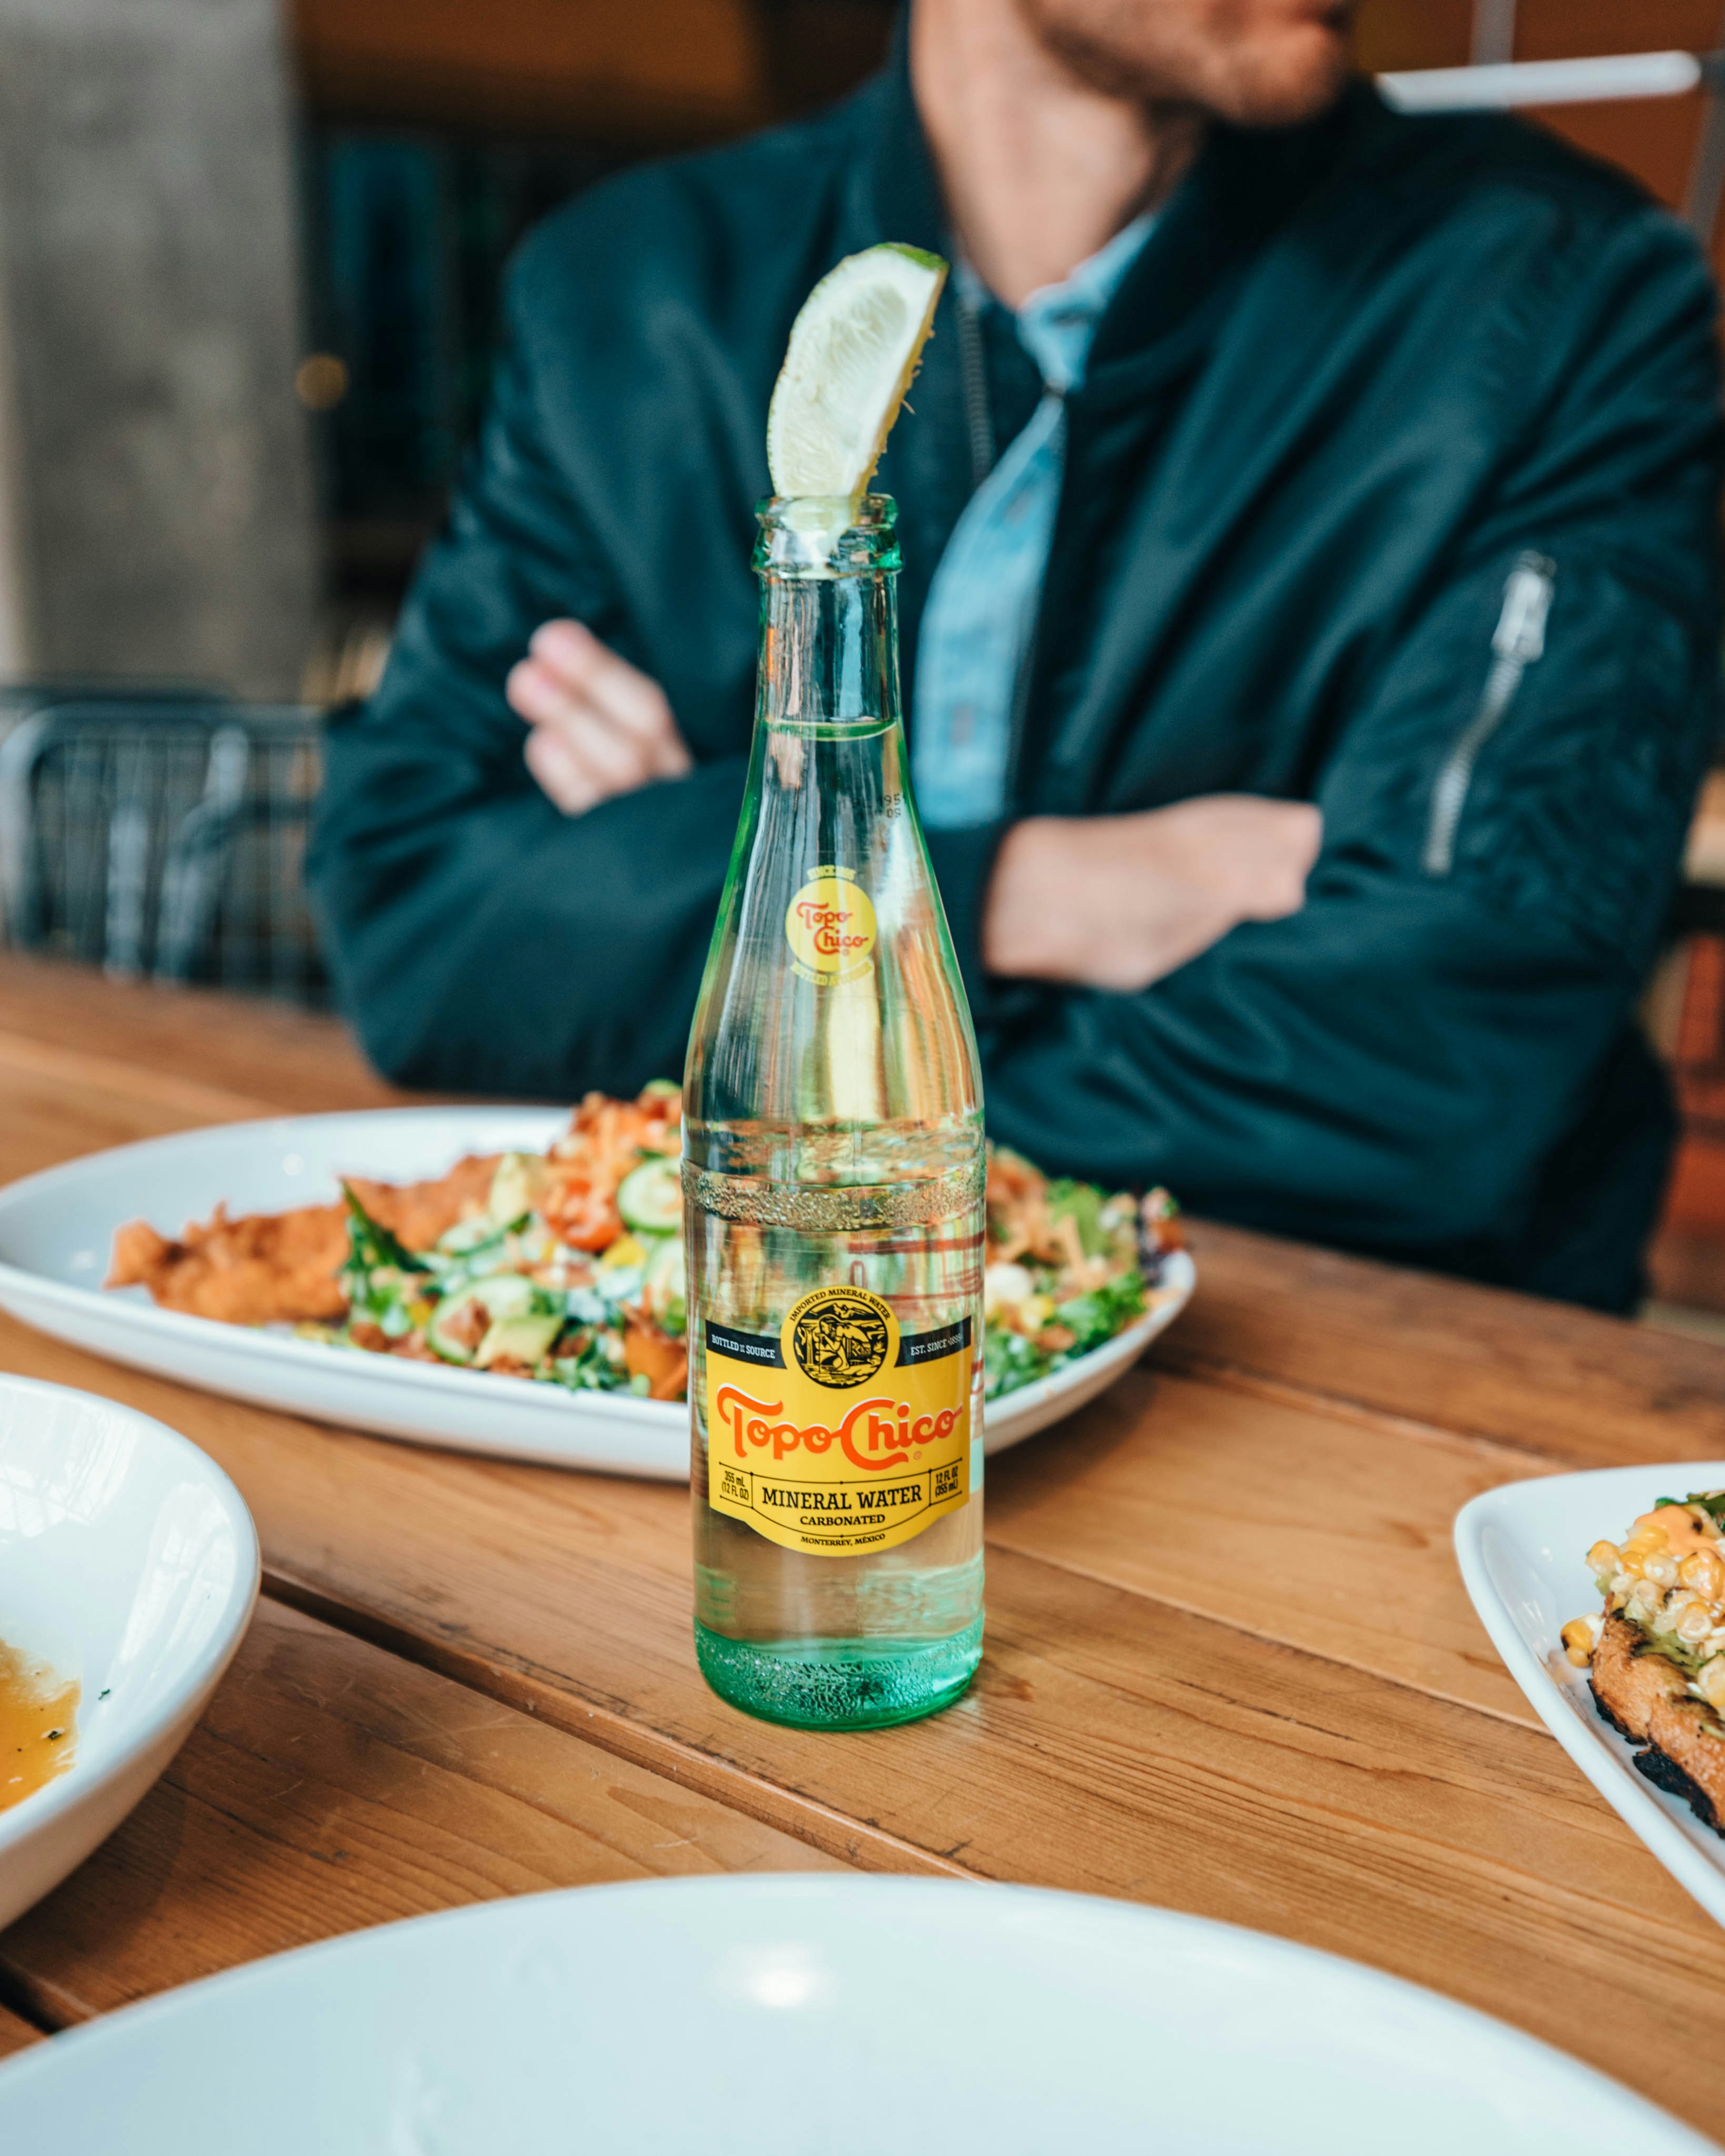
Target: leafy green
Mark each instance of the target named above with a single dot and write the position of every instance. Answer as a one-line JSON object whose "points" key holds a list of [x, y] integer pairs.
{"points": [[1102, 1313], [590, 1363], [370, 1244], [1711, 1502], [1013, 1361], [382, 1280]]}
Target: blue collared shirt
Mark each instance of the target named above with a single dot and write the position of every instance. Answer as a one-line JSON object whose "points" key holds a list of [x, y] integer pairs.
{"points": [[982, 604]]}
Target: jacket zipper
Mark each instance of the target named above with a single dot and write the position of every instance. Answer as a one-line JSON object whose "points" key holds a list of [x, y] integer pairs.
{"points": [[978, 419], [1519, 639]]}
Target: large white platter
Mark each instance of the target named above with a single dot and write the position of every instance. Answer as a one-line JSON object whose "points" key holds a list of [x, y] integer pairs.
{"points": [[56, 1229], [1522, 1551], [129, 1563], [811, 2017]]}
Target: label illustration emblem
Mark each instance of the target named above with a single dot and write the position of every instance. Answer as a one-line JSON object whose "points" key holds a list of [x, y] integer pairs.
{"points": [[840, 1336], [831, 928]]}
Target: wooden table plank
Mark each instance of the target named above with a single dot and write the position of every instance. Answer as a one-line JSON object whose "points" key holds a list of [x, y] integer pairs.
{"points": [[331, 1786], [1545, 1377], [15, 2033], [50, 1116], [1319, 1531], [294, 1061]]}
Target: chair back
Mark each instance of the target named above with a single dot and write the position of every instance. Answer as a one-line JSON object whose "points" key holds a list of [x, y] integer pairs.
{"points": [[164, 838]]}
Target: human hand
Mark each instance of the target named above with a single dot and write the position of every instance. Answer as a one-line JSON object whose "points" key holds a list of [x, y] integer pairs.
{"points": [[600, 726], [1117, 901]]}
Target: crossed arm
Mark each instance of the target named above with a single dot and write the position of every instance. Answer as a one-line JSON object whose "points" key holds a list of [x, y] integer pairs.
{"points": [[1107, 901]]}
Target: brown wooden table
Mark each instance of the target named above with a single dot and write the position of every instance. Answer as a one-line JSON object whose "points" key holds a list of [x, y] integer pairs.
{"points": [[1230, 1667]]}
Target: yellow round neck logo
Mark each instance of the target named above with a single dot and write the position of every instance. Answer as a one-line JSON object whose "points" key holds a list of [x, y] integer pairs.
{"points": [[830, 927]]}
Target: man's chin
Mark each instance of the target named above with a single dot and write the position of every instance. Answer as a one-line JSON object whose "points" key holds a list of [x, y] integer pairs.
{"points": [[1281, 88], [1260, 77]]}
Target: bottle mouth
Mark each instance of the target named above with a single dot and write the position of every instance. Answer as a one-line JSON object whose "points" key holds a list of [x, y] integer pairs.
{"points": [[817, 534]]}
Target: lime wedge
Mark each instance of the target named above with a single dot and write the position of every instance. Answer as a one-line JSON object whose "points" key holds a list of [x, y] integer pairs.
{"points": [[853, 350]]}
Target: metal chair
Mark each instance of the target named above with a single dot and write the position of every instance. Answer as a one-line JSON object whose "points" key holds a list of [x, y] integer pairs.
{"points": [[164, 840], [21, 699]]}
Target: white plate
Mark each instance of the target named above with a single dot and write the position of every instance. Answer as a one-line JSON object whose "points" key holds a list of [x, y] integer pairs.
{"points": [[56, 1229], [1522, 1551], [810, 2017], [127, 1561]]}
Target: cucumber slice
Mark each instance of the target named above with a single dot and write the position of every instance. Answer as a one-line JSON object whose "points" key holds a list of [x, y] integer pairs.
{"points": [[650, 1198], [664, 1288], [499, 1295]]}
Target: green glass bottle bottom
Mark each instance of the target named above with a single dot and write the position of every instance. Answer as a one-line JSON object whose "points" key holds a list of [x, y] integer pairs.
{"points": [[839, 1684]]}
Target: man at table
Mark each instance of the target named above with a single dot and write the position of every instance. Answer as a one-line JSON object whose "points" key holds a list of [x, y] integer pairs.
{"points": [[1308, 622]]}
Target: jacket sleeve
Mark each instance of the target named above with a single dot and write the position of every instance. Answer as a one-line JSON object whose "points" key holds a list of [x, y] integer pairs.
{"points": [[1390, 1067], [479, 939]]}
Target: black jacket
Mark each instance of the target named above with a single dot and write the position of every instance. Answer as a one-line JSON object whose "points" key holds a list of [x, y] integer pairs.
{"points": [[1361, 369]]}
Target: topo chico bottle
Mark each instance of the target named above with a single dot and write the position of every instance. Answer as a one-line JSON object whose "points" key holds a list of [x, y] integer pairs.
{"points": [[833, 1184]]}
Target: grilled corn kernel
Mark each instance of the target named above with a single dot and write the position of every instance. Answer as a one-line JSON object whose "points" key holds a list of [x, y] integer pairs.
{"points": [[1662, 1571], [1578, 1639], [1694, 1623], [1603, 1558], [1702, 1571], [1711, 1681]]}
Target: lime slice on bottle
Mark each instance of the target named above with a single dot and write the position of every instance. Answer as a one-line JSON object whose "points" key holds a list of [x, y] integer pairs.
{"points": [[853, 350]]}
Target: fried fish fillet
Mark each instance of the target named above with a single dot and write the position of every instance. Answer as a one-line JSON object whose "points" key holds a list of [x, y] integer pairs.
{"points": [[282, 1268]]}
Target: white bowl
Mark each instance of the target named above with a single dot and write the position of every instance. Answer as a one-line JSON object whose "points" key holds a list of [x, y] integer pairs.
{"points": [[810, 2017], [129, 1561], [56, 1229]]}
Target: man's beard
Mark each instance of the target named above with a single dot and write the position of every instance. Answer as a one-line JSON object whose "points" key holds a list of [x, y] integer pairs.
{"points": [[1103, 44]]}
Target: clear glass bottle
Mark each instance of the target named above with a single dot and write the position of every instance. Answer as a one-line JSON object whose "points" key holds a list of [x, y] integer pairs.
{"points": [[833, 1176]]}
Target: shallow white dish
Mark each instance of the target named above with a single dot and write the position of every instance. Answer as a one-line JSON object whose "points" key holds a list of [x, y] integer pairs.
{"points": [[1522, 1551], [810, 2017], [129, 1561], [56, 1229]]}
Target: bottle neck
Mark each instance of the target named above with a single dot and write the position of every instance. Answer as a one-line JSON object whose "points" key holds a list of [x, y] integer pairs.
{"points": [[828, 650], [829, 614]]}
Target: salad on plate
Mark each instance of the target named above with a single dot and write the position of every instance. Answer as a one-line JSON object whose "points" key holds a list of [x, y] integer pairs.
{"points": [[565, 1268]]}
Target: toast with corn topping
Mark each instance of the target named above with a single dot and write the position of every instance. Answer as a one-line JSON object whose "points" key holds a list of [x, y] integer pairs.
{"points": [[1656, 1654]]}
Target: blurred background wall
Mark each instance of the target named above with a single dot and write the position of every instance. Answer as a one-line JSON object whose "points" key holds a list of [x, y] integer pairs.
{"points": [[156, 495]]}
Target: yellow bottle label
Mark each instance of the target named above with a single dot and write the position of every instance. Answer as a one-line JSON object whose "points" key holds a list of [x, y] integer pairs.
{"points": [[831, 928], [838, 1434]]}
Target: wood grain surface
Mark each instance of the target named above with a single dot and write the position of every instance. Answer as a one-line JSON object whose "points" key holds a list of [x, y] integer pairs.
{"points": [[1548, 1379], [331, 1786], [15, 2033], [1231, 1668]]}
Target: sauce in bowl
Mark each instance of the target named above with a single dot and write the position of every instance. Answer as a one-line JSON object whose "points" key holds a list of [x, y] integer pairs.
{"points": [[38, 1725]]}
